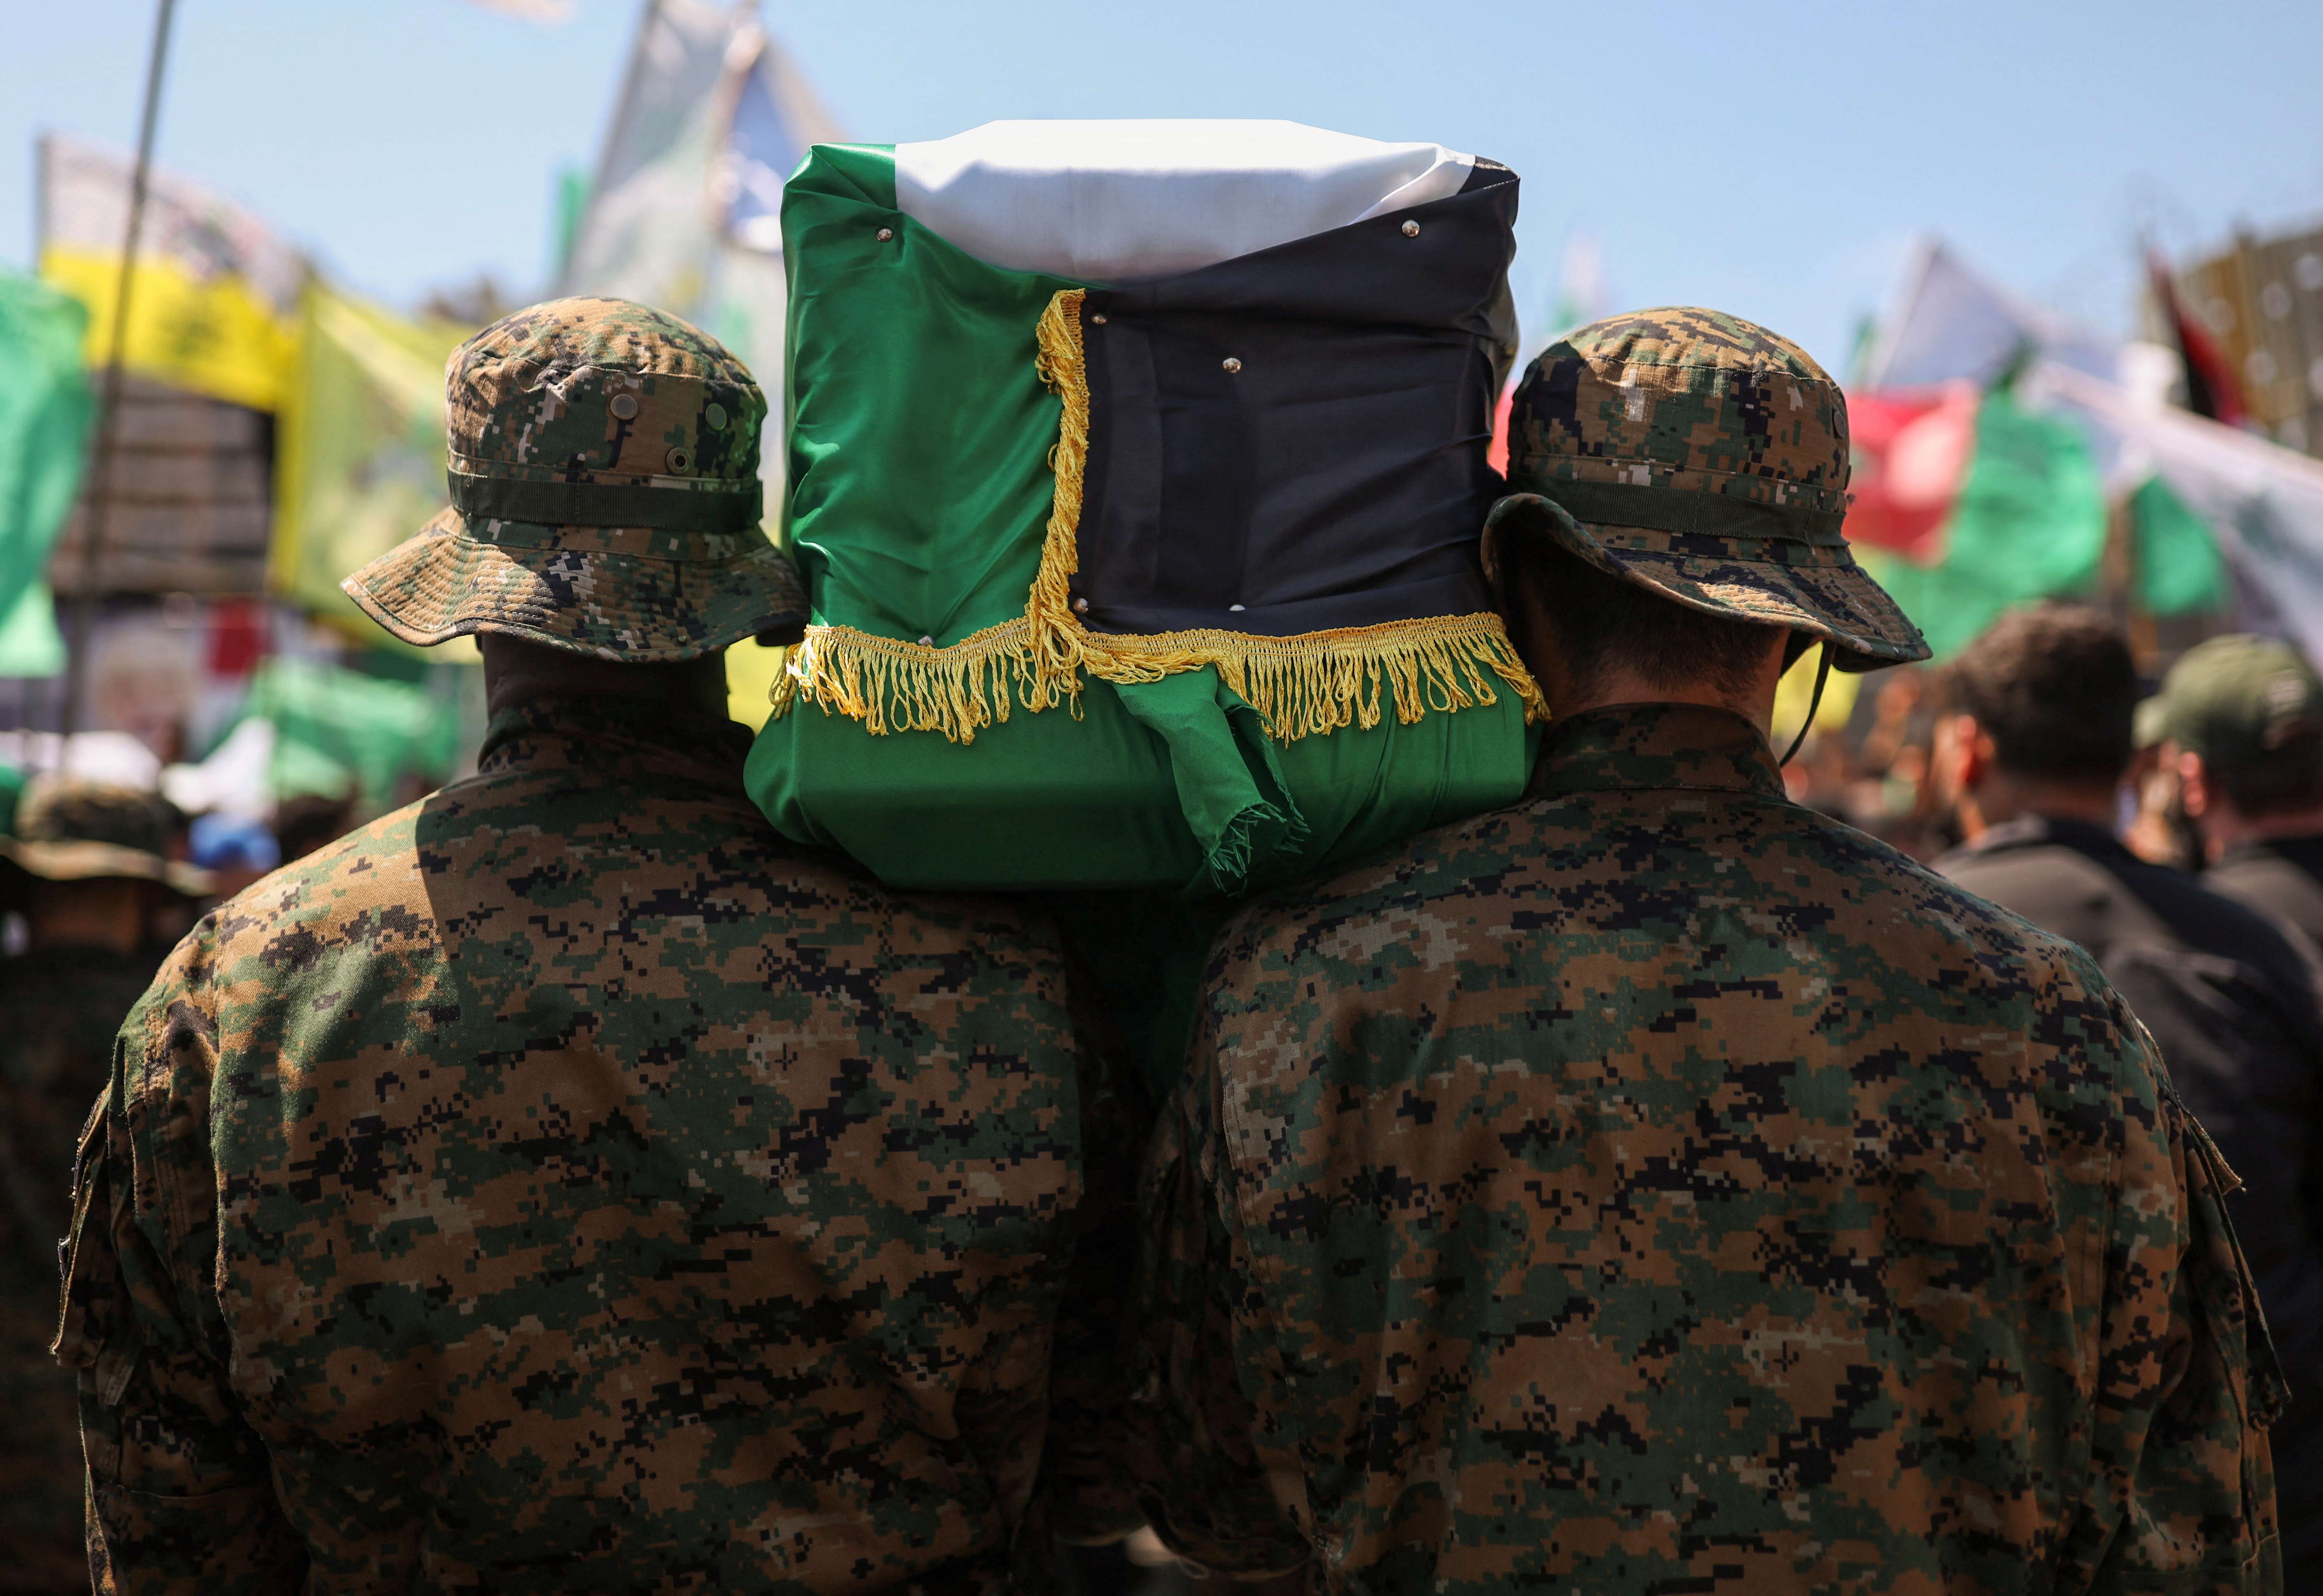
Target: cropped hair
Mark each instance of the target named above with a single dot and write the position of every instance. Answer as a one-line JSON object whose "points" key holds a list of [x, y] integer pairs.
{"points": [[1601, 623], [2054, 687]]}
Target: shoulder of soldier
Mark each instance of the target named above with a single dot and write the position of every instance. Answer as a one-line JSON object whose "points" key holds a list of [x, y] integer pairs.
{"points": [[1499, 861], [377, 891]]}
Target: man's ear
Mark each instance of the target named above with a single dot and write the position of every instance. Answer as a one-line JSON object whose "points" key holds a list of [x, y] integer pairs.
{"points": [[2193, 779], [1965, 750], [1984, 753]]}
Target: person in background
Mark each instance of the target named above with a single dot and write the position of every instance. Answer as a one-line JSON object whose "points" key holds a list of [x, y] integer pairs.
{"points": [[88, 874], [2240, 720], [1657, 1184], [2239, 723], [2032, 748], [565, 1183], [234, 849], [310, 821]]}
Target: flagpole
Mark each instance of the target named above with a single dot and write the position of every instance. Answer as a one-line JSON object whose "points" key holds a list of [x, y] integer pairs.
{"points": [[613, 131], [99, 496]]}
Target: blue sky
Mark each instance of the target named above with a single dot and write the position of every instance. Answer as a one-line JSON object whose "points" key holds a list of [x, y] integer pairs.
{"points": [[1771, 160]]}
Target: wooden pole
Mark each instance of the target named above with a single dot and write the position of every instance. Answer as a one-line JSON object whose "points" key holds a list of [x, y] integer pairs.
{"points": [[99, 496]]}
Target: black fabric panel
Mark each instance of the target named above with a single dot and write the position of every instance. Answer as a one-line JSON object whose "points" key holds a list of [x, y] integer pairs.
{"points": [[1338, 477], [1457, 594]]}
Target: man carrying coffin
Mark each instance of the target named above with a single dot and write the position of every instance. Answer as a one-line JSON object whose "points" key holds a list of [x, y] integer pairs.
{"points": [[566, 1183], [1658, 1186]]}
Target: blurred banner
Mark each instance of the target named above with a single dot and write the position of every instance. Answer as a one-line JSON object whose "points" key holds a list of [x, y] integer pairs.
{"points": [[2262, 502], [1911, 452], [216, 295], [45, 409], [2067, 426], [336, 730], [2026, 520], [1947, 324], [359, 453], [686, 211]]}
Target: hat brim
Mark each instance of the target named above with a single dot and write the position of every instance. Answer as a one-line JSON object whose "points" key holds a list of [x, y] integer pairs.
{"points": [[84, 860], [1816, 589], [619, 593]]}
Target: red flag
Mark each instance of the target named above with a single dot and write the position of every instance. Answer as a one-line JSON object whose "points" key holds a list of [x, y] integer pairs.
{"points": [[238, 636], [2211, 388], [1911, 453]]}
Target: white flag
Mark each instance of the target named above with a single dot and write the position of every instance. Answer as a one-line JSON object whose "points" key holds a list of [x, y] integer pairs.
{"points": [[687, 212], [1948, 324], [2262, 502]]}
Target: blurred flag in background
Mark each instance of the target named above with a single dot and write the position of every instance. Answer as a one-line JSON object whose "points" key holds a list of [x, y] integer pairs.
{"points": [[359, 453], [45, 409], [686, 210], [214, 303]]}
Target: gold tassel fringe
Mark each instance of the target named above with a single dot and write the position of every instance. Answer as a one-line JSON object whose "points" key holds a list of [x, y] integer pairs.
{"points": [[1060, 642], [1311, 684], [1315, 684], [894, 687]]}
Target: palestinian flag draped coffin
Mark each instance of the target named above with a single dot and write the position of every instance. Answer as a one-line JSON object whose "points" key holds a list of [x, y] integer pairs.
{"points": [[1136, 470]]}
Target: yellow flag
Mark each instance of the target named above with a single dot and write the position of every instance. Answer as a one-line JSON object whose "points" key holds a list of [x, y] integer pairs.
{"points": [[359, 451], [212, 306]]}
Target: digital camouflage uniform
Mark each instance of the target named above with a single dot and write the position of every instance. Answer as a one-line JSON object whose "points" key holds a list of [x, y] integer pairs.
{"points": [[565, 1183], [59, 1007], [1659, 1187]]}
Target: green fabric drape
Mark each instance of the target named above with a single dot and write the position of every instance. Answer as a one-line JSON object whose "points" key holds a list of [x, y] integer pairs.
{"points": [[919, 431]]}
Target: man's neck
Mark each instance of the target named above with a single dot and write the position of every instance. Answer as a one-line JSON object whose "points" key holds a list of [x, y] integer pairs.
{"points": [[1607, 688], [518, 672], [2003, 796], [2225, 826]]}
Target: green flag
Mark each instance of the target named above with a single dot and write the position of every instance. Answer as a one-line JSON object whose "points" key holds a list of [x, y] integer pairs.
{"points": [[2029, 523], [45, 409], [29, 643], [360, 458], [325, 716], [2179, 568]]}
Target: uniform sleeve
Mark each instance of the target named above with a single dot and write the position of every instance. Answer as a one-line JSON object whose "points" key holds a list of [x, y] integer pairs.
{"points": [[179, 1494], [2187, 1378], [1087, 1498], [1199, 1478]]}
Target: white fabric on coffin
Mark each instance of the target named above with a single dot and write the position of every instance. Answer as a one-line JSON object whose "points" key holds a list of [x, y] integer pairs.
{"points": [[1111, 202]]}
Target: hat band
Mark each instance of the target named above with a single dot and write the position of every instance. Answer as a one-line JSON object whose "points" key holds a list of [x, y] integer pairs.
{"points": [[602, 504], [1689, 511]]}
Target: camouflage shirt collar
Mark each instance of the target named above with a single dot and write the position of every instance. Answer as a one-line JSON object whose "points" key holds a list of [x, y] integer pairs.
{"points": [[1650, 747], [577, 732]]}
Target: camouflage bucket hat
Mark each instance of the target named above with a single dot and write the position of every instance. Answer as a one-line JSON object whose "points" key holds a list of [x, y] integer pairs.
{"points": [[68, 830], [605, 496], [1702, 457]]}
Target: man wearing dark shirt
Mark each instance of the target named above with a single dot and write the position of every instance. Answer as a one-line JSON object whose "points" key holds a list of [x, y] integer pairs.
{"points": [[2035, 738], [2241, 719]]}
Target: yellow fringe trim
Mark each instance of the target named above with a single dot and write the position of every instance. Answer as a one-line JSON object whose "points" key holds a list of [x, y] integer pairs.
{"points": [[1061, 643], [1311, 684], [1314, 683], [1307, 685], [895, 686]]}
